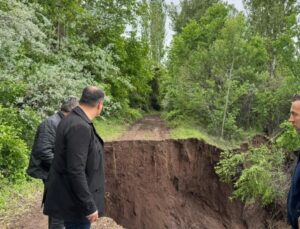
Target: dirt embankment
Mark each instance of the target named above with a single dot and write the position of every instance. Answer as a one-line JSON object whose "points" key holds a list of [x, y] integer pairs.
{"points": [[172, 184]]}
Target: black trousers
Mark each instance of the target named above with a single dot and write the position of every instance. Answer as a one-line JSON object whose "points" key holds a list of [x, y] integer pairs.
{"points": [[53, 223]]}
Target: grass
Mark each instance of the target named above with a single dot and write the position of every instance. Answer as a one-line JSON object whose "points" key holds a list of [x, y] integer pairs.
{"points": [[16, 199], [111, 129], [184, 130]]}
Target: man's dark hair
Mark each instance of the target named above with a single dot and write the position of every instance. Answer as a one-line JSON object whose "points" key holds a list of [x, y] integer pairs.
{"points": [[91, 95], [69, 104], [296, 97]]}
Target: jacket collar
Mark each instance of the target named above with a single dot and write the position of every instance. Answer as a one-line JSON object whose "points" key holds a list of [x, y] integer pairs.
{"points": [[77, 110], [81, 113], [60, 114]]}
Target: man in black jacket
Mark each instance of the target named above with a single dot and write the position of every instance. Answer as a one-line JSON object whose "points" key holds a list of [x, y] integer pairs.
{"points": [[75, 190], [43, 148]]}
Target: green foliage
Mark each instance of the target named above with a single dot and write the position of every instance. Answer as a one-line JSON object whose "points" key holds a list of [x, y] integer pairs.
{"points": [[157, 29], [44, 73], [132, 114], [220, 66], [137, 69], [190, 10], [276, 21], [289, 140], [230, 165], [25, 121], [13, 154], [203, 60], [53, 49], [111, 129], [257, 174], [11, 90]]}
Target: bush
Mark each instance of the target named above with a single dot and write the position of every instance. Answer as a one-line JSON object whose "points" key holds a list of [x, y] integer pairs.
{"points": [[289, 140], [257, 174], [231, 130], [132, 114], [13, 154], [25, 121]]}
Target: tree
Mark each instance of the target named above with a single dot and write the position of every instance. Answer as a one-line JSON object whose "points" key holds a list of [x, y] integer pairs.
{"points": [[190, 10], [227, 52], [157, 29], [275, 21], [217, 71]]}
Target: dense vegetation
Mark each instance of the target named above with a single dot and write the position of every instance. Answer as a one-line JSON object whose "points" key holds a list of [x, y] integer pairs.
{"points": [[232, 73], [52, 49], [226, 72]]}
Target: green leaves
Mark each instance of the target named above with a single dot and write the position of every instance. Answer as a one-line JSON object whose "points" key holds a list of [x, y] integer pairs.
{"points": [[53, 49], [230, 166], [190, 10], [13, 154], [257, 174], [289, 139], [211, 70], [220, 67]]}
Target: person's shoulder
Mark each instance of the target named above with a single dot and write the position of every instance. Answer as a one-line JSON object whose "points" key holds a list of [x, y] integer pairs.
{"points": [[54, 117], [75, 121], [75, 126], [53, 120]]}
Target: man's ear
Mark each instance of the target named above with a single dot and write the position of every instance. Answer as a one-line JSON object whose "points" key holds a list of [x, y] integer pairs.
{"points": [[100, 105]]}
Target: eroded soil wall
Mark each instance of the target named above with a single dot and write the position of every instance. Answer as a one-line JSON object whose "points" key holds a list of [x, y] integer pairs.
{"points": [[171, 184]]}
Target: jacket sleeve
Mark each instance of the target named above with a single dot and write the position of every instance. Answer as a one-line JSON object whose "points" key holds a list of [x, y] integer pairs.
{"points": [[78, 141], [45, 143]]}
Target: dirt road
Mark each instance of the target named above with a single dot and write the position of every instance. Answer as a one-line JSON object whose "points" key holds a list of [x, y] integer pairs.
{"points": [[149, 128]]}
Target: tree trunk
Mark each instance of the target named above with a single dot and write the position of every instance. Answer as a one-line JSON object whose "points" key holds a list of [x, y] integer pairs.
{"points": [[272, 63], [60, 33], [227, 99]]}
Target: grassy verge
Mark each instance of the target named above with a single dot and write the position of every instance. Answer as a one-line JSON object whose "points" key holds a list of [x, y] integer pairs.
{"points": [[16, 199], [111, 129], [184, 130]]}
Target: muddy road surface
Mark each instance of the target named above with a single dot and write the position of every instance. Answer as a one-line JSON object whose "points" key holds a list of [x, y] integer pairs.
{"points": [[149, 128]]}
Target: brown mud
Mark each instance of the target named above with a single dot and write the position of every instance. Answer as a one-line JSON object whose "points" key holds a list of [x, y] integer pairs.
{"points": [[172, 184]]}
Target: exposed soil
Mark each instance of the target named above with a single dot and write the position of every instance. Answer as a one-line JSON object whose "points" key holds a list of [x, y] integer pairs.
{"points": [[256, 141], [172, 184], [31, 216], [148, 128], [153, 182]]}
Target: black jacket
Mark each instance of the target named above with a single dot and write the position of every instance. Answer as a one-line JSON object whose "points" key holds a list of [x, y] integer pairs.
{"points": [[75, 187], [293, 202], [43, 147]]}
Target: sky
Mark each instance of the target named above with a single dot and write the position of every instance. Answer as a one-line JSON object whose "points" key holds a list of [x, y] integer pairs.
{"points": [[169, 32]]}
